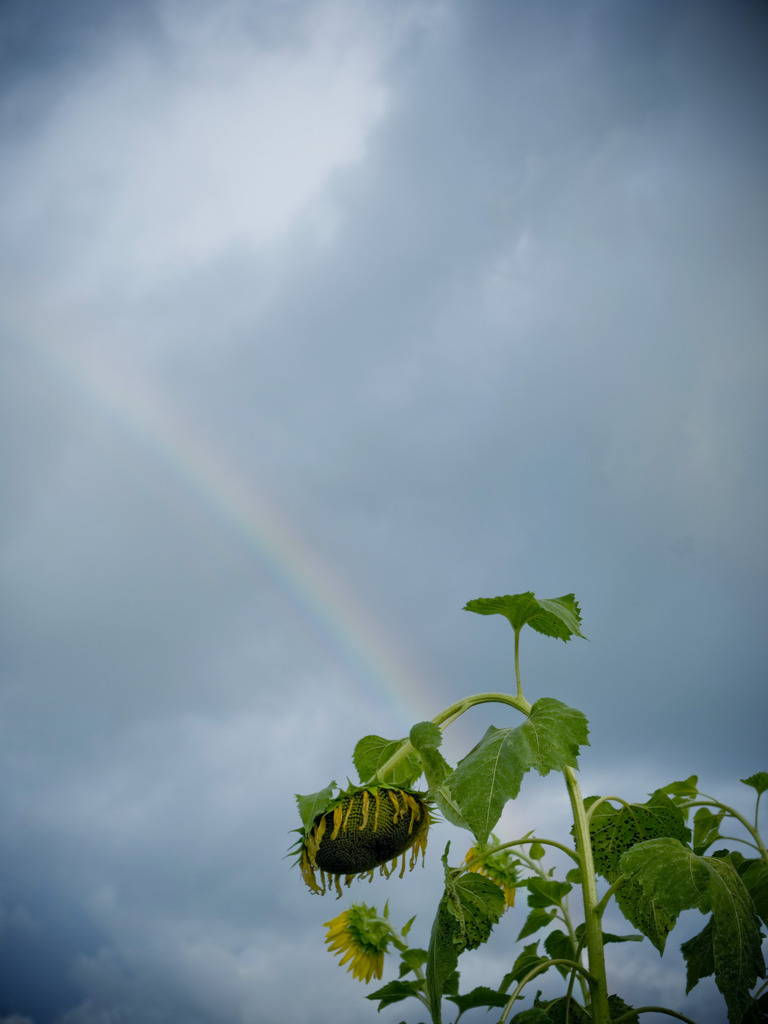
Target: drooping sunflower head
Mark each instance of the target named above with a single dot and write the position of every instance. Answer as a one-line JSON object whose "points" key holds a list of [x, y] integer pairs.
{"points": [[361, 937], [361, 829]]}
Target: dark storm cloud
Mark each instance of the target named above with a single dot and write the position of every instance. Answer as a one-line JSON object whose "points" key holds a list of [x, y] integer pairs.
{"points": [[505, 329]]}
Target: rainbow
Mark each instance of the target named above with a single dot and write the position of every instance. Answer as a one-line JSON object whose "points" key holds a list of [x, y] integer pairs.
{"points": [[239, 509]]}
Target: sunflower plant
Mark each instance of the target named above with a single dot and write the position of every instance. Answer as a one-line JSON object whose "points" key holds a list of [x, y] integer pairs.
{"points": [[654, 859]]}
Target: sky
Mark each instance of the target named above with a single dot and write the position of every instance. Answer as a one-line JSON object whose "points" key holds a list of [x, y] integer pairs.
{"points": [[318, 319]]}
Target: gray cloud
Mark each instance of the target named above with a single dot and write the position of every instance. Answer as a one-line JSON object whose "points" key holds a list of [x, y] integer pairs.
{"points": [[318, 316]]}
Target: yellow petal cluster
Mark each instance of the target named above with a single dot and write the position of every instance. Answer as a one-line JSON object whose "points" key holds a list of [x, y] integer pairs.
{"points": [[363, 951]]}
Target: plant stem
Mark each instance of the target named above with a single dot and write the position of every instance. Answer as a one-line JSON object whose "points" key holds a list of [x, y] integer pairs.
{"points": [[517, 665], [450, 714], [592, 930], [710, 801]]}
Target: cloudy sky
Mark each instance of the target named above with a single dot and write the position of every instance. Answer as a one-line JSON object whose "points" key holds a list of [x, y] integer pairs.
{"points": [[318, 319]]}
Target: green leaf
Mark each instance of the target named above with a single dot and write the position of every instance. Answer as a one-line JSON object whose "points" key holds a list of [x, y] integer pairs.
{"points": [[554, 1011], [758, 782], [371, 752], [679, 879], [754, 874], [470, 907], [557, 616], [613, 832], [618, 1007], [536, 920], [706, 828], [411, 960], [699, 957], [533, 1015], [481, 996], [560, 947], [491, 773], [313, 804], [608, 937], [546, 892], [426, 734], [687, 789], [395, 992], [524, 963], [425, 738]]}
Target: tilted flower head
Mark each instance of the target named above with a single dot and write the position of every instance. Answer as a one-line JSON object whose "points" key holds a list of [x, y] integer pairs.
{"points": [[359, 830], [362, 937]]}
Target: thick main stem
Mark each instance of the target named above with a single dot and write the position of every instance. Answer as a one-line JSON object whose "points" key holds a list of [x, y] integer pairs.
{"points": [[592, 928]]}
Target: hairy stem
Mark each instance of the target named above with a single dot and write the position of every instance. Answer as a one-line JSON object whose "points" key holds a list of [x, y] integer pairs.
{"points": [[592, 931]]}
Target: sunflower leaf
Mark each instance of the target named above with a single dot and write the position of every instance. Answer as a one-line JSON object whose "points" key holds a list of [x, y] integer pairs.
{"points": [[372, 752], [492, 771], [470, 907], [758, 782], [395, 992], [313, 804], [614, 831], [480, 996], [677, 879], [559, 617]]}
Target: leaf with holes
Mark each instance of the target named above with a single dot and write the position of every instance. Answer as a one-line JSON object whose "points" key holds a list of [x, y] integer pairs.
{"points": [[614, 831], [675, 878]]}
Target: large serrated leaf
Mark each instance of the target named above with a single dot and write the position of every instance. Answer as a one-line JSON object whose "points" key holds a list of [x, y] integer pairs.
{"points": [[678, 879], [559, 617], [548, 740]]}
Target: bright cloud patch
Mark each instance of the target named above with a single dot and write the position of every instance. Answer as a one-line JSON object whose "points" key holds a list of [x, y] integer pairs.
{"points": [[153, 160]]}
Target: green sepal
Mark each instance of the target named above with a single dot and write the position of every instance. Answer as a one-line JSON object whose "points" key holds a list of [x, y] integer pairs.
{"points": [[677, 879], [559, 617]]}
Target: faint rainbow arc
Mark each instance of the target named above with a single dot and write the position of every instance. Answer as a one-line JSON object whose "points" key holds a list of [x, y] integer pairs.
{"points": [[308, 580]]}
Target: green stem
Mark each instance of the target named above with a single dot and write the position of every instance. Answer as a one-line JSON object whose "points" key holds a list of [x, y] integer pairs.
{"points": [[653, 1009], [710, 801], [592, 931], [600, 908], [517, 665], [538, 969], [450, 714], [526, 841]]}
